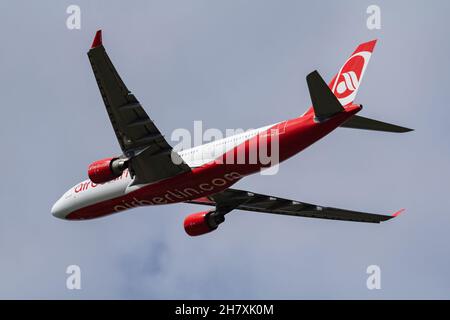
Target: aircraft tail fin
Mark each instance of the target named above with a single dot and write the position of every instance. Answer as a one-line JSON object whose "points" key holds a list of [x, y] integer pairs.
{"points": [[341, 92], [358, 122], [346, 82]]}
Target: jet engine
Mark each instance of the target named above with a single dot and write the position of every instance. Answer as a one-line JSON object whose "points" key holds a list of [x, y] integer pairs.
{"points": [[203, 222], [105, 170]]}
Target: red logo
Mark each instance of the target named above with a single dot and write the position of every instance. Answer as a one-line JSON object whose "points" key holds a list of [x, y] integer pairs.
{"points": [[347, 80]]}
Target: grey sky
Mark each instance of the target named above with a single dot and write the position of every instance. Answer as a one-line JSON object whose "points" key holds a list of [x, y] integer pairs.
{"points": [[232, 64]]}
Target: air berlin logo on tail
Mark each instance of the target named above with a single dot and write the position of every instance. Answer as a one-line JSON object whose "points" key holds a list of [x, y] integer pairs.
{"points": [[350, 82], [347, 81]]}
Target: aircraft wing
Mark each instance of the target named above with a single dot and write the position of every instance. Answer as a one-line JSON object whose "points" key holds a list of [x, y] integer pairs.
{"points": [[151, 157], [249, 201]]}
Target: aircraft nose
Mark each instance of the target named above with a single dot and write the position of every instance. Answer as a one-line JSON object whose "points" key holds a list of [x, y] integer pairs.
{"points": [[58, 210]]}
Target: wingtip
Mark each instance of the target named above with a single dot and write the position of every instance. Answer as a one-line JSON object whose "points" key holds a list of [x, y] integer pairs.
{"points": [[399, 212], [97, 39]]}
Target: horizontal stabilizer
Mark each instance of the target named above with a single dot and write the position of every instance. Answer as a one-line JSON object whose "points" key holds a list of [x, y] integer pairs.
{"points": [[358, 122], [325, 103]]}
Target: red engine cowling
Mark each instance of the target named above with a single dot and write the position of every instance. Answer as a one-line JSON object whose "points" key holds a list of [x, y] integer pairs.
{"points": [[200, 223], [105, 170]]}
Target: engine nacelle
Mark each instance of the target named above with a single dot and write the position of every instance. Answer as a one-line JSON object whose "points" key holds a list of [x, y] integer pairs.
{"points": [[105, 170], [203, 222]]}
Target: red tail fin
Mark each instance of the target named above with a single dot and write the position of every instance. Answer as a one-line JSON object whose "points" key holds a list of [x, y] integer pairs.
{"points": [[346, 83]]}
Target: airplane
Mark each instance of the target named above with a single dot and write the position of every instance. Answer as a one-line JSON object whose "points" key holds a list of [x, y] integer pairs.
{"points": [[150, 172]]}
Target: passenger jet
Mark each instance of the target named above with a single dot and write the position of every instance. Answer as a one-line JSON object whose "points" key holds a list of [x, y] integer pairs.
{"points": [[150, 172]]}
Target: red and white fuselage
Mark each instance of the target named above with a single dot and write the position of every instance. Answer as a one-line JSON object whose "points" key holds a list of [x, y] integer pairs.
{"points": [[210, 172]]}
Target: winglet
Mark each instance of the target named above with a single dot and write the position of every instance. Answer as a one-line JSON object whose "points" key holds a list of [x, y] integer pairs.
{"points": [[97, 40], [399, 212]]}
